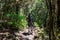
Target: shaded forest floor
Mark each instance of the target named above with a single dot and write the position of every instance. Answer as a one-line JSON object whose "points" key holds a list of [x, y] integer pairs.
{"points": [[20, 35]]}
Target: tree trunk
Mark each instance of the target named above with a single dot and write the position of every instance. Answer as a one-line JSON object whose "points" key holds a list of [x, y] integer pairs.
{"points": [[58, 20], [51, 17], [58, 17]]}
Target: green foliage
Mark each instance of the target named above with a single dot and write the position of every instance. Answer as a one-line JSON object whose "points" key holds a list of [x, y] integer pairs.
{"points": [[37, 8]]}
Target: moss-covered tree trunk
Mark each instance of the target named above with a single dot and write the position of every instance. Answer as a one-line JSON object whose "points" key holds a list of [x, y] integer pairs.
{"points": [[52, 19]]}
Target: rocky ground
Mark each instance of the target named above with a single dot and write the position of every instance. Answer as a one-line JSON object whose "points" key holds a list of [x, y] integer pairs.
{"points": [[35, 34], [20, 35]]}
